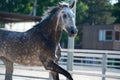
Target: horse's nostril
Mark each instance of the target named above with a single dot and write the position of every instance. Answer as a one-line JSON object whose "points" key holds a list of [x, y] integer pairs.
{"points": [[72, 32]]}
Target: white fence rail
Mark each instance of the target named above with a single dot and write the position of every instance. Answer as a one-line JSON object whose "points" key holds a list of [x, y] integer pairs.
{"points": [[101, 61]]}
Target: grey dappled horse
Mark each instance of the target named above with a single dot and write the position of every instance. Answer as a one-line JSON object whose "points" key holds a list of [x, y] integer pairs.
{"points": [[39, 46]]}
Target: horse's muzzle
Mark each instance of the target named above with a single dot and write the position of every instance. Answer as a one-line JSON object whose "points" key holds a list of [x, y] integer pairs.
{"points": [[72, 32]]}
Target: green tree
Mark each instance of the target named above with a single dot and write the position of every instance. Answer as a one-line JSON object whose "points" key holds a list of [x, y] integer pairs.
{"points": [[99, 11], [16, 6], [81, 12], [116, 11], [26, 6], [44, 4]]}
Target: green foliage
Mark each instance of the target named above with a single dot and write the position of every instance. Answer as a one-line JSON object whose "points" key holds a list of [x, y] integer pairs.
{"points": [[16, 6], [26, 6], [44, 4], [116, 12], [88, 11], [94, 11], [81, 12]]}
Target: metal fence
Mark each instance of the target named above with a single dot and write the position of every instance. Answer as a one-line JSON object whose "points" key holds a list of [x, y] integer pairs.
{"points": [[103, 62]]}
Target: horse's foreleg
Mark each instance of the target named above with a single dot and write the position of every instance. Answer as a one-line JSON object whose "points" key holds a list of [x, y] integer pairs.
{"points": [[58, 53], [9, 69], [50, 65], [55, 75], [60, 70]]}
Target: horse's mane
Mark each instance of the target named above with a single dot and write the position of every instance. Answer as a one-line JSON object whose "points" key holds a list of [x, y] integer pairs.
{"points": [[47, 15], [51, 11]]}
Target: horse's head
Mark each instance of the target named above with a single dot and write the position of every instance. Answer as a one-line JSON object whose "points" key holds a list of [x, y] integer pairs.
{"points": [[67, 19]]}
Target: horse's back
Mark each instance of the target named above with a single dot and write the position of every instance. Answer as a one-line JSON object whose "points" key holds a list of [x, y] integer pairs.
{"points": [[3, 36], [7, 38]]}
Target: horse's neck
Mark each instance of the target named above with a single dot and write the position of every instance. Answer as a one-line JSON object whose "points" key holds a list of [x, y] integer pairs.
{"points": [[48, 28], [53, 30]]}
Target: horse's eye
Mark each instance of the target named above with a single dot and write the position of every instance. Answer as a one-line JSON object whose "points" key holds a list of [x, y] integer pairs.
{"points": [[64, 16]]}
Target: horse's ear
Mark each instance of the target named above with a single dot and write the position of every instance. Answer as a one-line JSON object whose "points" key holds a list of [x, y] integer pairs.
{"points": [[72, 4]]}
